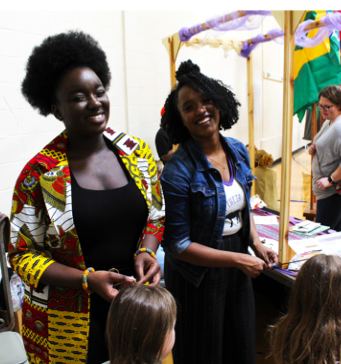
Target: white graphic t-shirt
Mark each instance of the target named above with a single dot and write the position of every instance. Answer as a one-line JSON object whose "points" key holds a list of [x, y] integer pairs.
{"points": [[235, 202]]}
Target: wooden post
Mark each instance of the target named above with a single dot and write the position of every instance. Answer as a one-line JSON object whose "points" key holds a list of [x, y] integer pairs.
{"points": [[172, 62], [173, 45], [285, 252], [251, 119], [313, 133]]}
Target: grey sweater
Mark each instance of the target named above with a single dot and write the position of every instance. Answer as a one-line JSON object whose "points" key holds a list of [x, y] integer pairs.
{"points": [[328, 154]]}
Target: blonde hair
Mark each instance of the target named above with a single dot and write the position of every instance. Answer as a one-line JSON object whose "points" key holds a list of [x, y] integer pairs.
{"points": [[263, 158], [310, 333], [159, 166], [139, 322]]}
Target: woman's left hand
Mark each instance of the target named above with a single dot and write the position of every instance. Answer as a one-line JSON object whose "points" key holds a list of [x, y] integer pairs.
{"points": [[147, 269], [268, 255], [323, 183]]}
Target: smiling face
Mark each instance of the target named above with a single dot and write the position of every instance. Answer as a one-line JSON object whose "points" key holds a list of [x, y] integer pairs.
{"points": [[82, 103], [198, 114], [330, 114]]}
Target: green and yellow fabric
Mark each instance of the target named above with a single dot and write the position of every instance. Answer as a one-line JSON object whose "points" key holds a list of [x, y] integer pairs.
{"points": [[315, 68]]}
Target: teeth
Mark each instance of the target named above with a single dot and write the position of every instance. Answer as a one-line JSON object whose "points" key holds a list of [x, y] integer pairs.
{"points": [[96, 117], [204, 120]]}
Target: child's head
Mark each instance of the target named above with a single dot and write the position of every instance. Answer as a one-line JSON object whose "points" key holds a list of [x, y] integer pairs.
{"points": [[311, 330], [159, 166], [263, 159], [140, 326]]}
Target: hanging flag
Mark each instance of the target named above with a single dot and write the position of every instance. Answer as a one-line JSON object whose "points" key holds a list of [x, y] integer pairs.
{"points": [[315, 68]]}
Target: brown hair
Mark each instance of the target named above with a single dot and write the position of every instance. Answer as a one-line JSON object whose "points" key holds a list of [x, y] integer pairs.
{"points": [[263, 159], [333, 94], [139, 322], [310, 332]]}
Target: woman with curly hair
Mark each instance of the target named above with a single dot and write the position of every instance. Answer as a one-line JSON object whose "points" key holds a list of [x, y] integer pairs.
{"points": [[266, 187], [207, 186], [81, 207], [310, 333]]}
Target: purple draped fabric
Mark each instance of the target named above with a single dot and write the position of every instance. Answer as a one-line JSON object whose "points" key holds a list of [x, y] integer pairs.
{"points": [[331, 22], [260, 38]]}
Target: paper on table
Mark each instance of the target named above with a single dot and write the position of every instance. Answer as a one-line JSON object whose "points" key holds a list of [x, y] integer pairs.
{"points": [[265, 220], [270, 243], [331, 243], [304, 245]]}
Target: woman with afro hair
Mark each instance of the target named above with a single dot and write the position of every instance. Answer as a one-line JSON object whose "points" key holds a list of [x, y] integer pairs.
{"points": [[81, 207], [207, 185]]}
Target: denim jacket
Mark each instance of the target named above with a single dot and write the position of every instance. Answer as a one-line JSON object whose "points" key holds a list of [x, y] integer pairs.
{"points": [[196, 203]]}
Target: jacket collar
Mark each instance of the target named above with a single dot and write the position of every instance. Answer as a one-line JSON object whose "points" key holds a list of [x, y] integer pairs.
{"points": [[199, 158], [123, 142], [56, 173], [54, 153]]}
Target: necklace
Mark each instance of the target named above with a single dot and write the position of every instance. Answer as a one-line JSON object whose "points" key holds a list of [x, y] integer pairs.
{"points": [[224, 167]]}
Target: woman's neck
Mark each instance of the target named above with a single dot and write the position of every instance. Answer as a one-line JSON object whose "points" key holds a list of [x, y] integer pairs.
{"points": [[83, 147], [210, 146], [331, 121]]}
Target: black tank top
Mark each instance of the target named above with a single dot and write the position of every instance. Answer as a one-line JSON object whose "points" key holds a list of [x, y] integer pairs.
{"points": [[109, 224]]}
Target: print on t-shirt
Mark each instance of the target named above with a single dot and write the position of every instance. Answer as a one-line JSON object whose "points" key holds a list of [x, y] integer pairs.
{"points": [[233, 215], [235, 202]]}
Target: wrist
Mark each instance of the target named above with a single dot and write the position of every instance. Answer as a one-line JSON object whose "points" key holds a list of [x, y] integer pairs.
{"points": [[145, 250], [331, 180], [85, 279], [239, 260], [256, 241]]}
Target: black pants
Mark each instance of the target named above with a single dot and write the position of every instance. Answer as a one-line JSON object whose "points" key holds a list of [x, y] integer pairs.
{"points": [[215, 322], [329, 211]]}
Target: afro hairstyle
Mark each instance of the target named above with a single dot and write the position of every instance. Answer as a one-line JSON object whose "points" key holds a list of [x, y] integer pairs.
{"points": [[56, 56], [188, 74]]}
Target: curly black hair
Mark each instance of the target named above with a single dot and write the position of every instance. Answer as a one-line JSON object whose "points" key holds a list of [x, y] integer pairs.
{"points": [[220, 95], [56, 56]]}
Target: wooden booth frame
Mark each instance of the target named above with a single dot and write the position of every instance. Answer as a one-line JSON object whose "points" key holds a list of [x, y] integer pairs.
{"points": [[288, 21]]}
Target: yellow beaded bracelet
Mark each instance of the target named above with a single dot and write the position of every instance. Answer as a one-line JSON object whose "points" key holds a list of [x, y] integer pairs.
{"points": [[147, 250], [85, 279]]}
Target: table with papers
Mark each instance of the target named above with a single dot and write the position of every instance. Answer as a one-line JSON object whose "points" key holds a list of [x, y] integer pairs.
{"points": [[327, 242]]}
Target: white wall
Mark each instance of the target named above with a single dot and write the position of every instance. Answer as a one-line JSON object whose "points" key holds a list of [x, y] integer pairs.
{"points": [[140, 79], [273, 62]]}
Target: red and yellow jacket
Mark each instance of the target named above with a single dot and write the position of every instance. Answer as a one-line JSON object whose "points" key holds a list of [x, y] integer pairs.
{"points": [[56, 319]]}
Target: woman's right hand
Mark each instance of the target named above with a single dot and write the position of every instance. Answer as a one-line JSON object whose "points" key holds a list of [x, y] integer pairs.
{"points": [[312, 149], [102, 282], [251, 266]]}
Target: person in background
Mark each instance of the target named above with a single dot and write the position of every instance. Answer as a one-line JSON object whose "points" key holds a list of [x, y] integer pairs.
{"points": [[326, 166], [81, 207], [163, 146], [310, 332], [266, 187], [207, 185], [159, 166], [248, 150], [140, 326]]}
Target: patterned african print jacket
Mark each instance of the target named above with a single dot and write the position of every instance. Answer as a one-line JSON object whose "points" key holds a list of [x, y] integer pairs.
{"points": [[56, 319]]}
